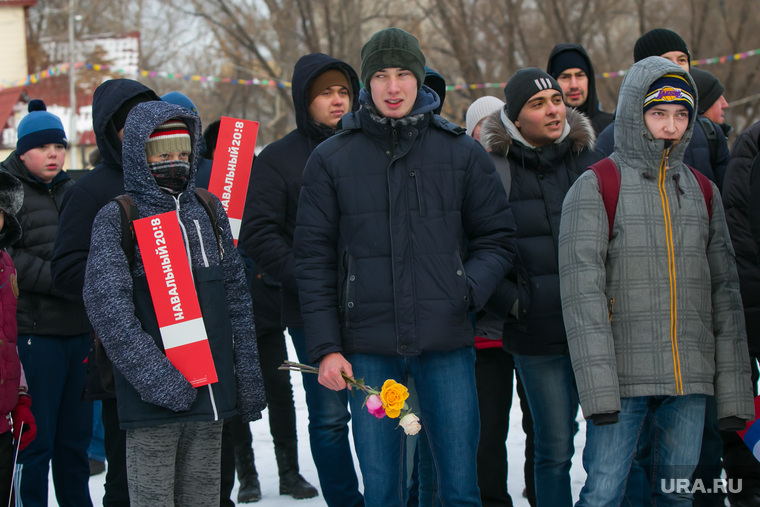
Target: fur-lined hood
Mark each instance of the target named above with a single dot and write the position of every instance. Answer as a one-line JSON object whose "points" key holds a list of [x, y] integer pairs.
{"points": [[498, 133]]}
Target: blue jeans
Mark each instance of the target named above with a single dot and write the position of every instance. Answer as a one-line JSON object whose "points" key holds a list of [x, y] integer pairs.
{"points": [[96, 450], [677, 423], [328, 435], [549, 384], [448, 411], [55, 371]]}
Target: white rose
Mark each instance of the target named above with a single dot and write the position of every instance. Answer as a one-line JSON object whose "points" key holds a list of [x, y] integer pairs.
{"points": [[411, 424]]}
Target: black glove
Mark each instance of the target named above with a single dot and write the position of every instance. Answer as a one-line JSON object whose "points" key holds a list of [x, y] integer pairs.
{"points": [[606, 418]]}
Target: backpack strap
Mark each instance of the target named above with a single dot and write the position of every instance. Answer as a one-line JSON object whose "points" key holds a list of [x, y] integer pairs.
{"points": [[609, 186], [129, 214], [705, 185], [208, 201]]}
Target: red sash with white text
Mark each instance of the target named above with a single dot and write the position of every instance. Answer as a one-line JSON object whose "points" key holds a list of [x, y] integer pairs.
{"points": [[174, 298], [231, 169]]}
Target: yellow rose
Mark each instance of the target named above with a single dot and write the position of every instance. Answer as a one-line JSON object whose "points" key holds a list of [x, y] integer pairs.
{"points": [[393, 396]]}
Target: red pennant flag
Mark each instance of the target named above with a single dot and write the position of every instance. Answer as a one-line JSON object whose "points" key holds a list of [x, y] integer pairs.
{"points": [[231, 169], [174, 298]]}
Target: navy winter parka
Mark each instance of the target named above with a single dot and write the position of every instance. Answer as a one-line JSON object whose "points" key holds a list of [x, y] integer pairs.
{"points": [[540, 178], [386, 209], [271, 204], [93, 190]]}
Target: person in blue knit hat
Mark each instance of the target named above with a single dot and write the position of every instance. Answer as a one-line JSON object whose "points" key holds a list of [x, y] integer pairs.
{"points": [[53, 332]]}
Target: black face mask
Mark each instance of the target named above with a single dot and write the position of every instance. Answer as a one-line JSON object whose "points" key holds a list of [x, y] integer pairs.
{"points": [[171, 175]]}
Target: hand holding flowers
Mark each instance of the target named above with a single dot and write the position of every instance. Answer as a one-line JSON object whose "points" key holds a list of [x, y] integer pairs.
{"points": [[389, 401]]}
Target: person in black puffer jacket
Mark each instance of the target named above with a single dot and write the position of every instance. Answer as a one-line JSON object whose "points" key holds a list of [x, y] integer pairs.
{"points": [[543, 163], [403, 227], [324, 89], [52, 326]]}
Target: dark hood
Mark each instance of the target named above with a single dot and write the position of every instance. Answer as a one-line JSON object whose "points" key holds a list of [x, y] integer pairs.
{"points": [[436, 82], [591, 107], [307, 68], [107, 99], [138, 181]]}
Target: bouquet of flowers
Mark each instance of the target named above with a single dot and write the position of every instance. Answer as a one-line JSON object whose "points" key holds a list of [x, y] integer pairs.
{"points": [[389, 401]]}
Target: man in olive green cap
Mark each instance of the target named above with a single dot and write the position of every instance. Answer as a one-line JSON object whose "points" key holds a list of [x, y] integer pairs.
{"points": [[385, 281]]}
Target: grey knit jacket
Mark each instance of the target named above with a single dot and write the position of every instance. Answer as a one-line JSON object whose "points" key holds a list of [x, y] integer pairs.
{"points": [[108, 288], [655, 310]]}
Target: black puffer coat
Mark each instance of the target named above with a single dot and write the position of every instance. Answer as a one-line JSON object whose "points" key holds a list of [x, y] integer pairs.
{"points": [[271, 205], [384, 213], [742, 213], [540, 179], [41, 309]]}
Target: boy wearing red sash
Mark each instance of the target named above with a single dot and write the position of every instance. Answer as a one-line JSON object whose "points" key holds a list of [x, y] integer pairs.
{"points": [[173, 429]]}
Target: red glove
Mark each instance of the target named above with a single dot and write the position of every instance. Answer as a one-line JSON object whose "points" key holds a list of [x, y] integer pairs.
{"points": [[22, 416]]}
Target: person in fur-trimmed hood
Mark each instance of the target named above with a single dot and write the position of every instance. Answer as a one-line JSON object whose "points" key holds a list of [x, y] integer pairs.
{"points": [[173, 429], [652, 305], [547, 146]]}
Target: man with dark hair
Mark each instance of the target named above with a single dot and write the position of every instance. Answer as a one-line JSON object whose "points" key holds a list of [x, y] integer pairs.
{"points": [[570, 65]]}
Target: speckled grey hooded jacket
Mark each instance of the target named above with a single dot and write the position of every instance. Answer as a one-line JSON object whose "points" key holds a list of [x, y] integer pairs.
{"points": [[656, 309], [150, 390]]}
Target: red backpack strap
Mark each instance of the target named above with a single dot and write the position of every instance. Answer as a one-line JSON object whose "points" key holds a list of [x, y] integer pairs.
{"points": [[705, 185], [609, 186]]}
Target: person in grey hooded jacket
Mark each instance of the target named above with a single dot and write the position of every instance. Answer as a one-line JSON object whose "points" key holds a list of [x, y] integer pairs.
{"points": [[652, 309], [173, 429]]}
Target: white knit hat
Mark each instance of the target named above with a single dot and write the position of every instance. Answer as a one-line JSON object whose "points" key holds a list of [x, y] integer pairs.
{"points": [[480, 109]]}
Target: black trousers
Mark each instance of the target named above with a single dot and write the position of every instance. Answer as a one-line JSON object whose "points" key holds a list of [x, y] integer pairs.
{"points": [[115, 443]]}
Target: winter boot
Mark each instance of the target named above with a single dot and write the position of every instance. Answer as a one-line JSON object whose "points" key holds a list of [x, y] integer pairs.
{"points": [[250, 489], [291, 482]]}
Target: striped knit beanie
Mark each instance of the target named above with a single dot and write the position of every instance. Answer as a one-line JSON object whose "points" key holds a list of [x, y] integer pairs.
{"points": [[172, 135], [523, 85], [670, 89]]}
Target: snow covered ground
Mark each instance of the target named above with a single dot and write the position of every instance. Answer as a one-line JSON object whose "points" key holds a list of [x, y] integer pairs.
{"points": [[267, 467]]}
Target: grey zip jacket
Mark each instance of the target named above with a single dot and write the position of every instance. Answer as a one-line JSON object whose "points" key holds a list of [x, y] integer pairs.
{"points": [[655, 310]]}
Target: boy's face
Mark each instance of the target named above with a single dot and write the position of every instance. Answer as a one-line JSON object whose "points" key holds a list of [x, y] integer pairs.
{"points": [[679, 58], [667, 121], [330, 105], [394, 91], [542, 119], [2, 219], [45, 162], [172, 155]]}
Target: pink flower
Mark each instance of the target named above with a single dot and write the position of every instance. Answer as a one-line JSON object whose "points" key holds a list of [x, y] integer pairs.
{"points": [[410, 423], [375, 406]]}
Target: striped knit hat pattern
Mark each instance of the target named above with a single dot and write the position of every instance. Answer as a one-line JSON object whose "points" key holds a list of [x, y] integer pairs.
{"points": [[670, 89], [172, 135]]}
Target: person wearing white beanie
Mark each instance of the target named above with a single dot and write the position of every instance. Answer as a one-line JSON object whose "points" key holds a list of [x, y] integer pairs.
{"points": [[478, 111]]}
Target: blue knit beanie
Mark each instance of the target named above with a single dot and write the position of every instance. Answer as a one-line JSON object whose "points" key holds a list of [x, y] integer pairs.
{"points": [[39, 128], [180, 99]]}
